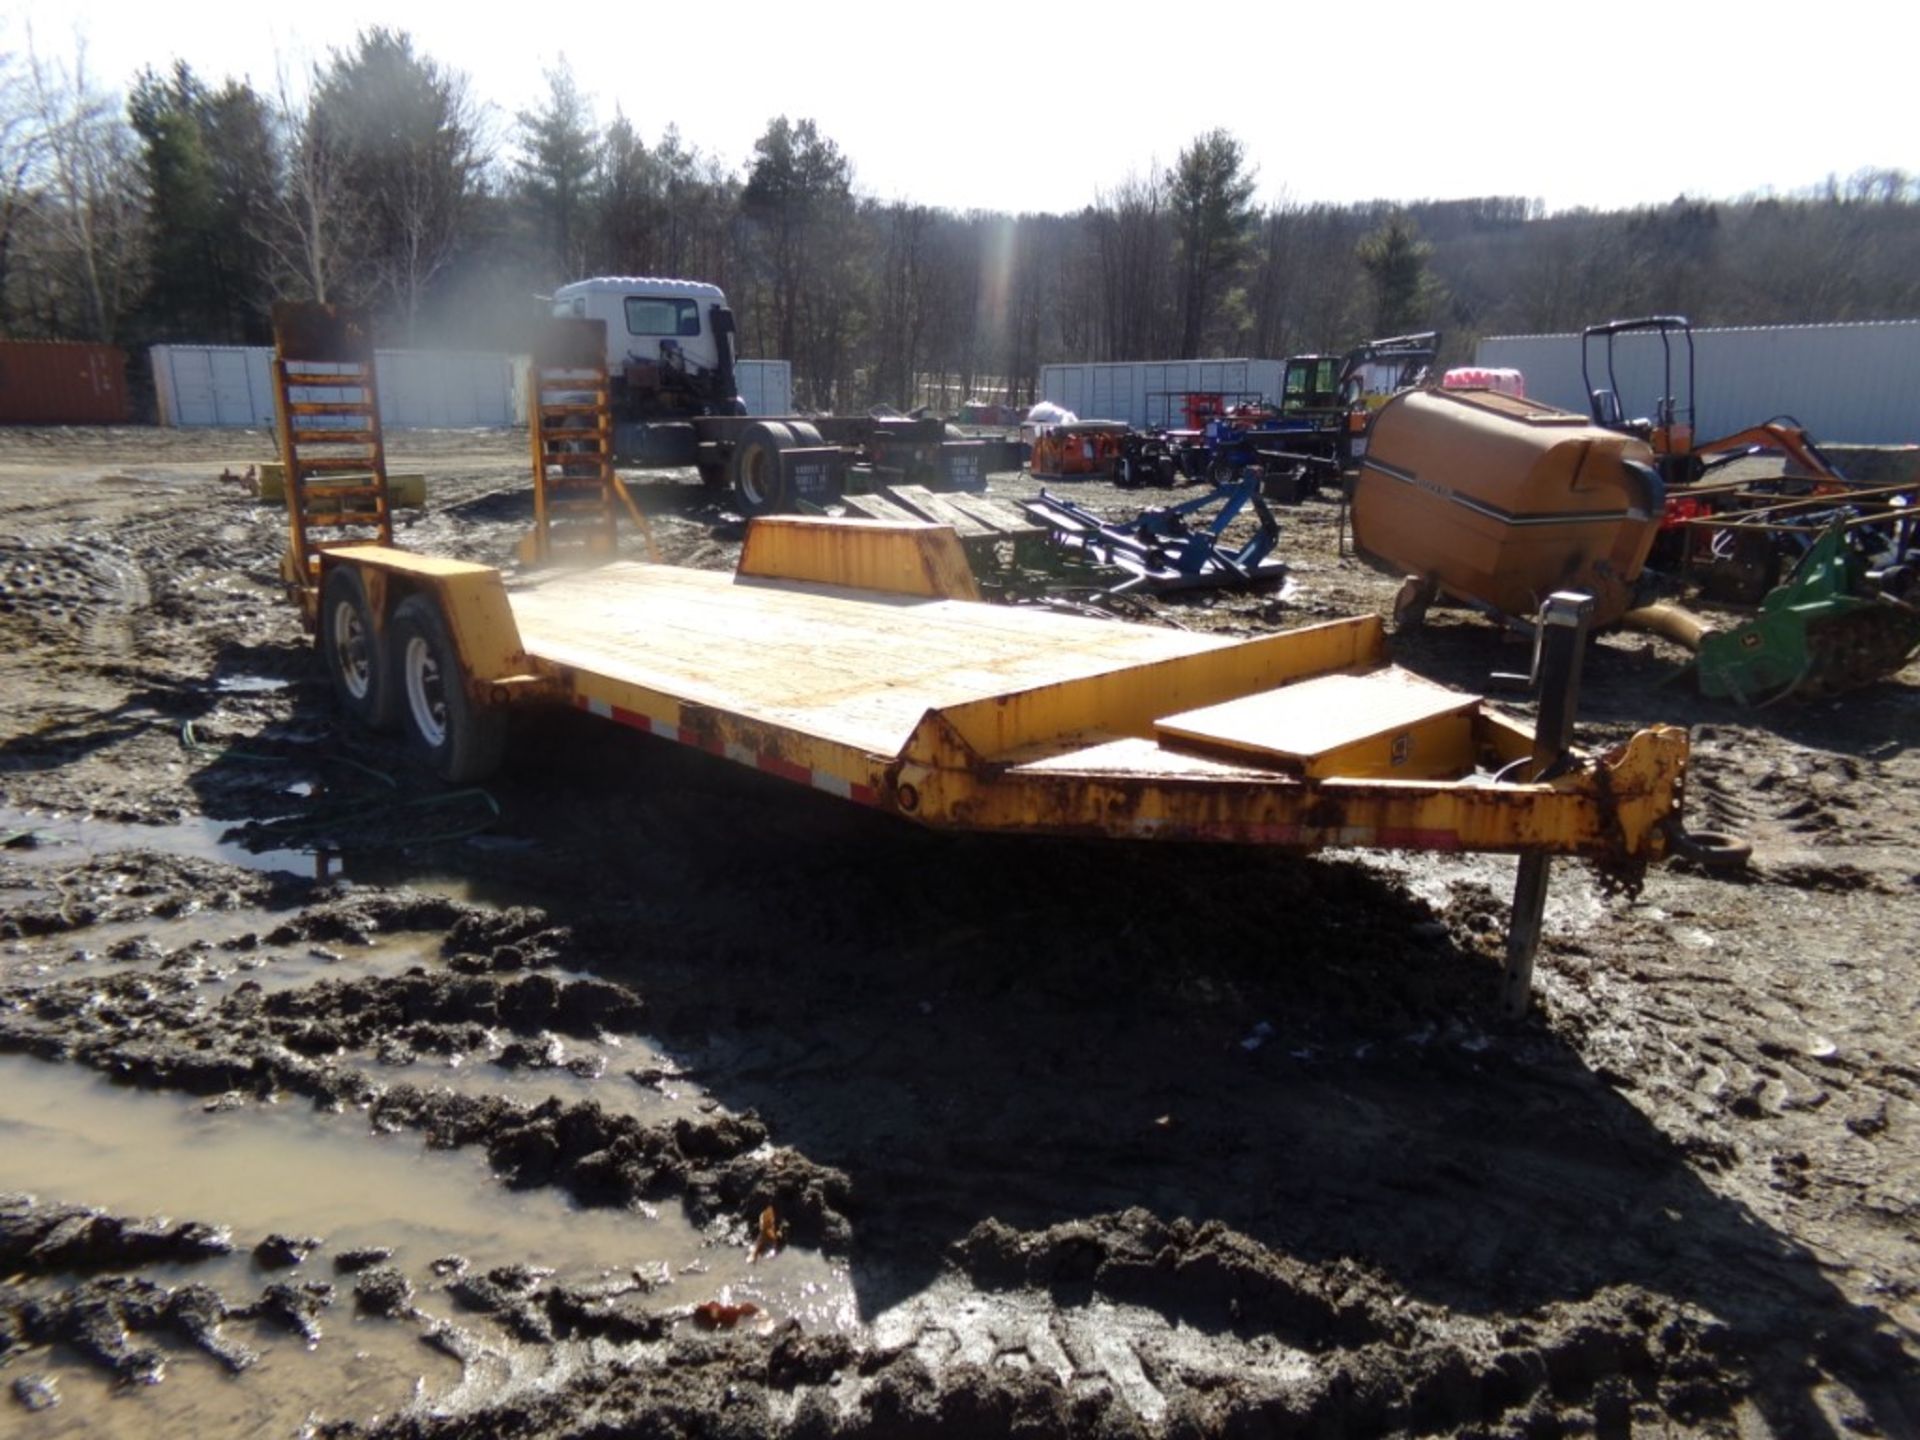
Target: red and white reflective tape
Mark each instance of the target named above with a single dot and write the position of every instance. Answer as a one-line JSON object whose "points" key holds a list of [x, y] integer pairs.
{"points": [[1340, 837], [823, 780]]}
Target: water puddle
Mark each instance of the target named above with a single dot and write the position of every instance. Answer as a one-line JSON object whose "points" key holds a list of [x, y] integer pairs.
{"points": [[211, 947], [627, 1077], [250, 684], [363, 1368], [64, 838], [58, 838], [625, 1074], [67, 1134]]}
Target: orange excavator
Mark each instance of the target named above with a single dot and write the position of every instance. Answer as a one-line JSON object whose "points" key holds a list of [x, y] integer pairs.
{"points": [[1701, 486], [1670, 430], [1829, 563]]}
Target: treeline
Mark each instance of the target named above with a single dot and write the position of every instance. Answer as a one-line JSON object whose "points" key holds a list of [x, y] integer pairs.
{"points": [[183, 210]]}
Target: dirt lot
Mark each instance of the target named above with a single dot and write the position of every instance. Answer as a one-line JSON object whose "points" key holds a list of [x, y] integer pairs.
{"points": [[468, 1127]]}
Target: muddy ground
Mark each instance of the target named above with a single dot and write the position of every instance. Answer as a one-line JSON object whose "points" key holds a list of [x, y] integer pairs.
{"points": [[334, 1103]]}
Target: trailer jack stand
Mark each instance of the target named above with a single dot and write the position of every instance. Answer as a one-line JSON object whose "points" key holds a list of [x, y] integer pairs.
{"points": [[1523, 930], [1560, 647]]}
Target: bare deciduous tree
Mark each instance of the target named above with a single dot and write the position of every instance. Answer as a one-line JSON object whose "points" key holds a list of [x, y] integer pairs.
{"points": [[22, 145], [316, 212], [86, 194]]}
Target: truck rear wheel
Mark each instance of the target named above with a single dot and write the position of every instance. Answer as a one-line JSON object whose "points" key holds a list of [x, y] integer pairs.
{"points": [[462, 741], [351, 649], [759, 488]]}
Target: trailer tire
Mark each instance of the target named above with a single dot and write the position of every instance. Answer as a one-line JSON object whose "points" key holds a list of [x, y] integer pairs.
{"points": [[460, 740], [351, 648], [754, 468], [1710, 849]]}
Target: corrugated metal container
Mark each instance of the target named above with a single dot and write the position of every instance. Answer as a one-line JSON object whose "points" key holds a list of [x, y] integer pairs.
{"points": [[765, 385], [225, 385], [230, 385], [1847, 383], [60, 382], [1151, 392]]}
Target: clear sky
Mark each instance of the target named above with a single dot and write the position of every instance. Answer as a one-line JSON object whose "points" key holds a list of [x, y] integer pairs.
{"points": [[1041, 107]]}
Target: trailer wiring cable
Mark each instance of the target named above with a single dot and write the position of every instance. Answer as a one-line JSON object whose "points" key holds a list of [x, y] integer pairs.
{"points": [[195, 745], [320, 823], [322, 828]]}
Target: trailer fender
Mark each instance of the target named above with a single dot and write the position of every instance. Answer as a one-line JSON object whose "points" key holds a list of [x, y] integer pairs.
{"points": [[471, 599]]}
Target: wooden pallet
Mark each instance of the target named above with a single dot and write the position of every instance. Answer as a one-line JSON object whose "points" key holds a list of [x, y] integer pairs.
{"points": [[981, 522]]}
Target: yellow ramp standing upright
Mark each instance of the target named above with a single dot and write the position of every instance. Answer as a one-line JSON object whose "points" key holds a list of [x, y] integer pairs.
{"points": [[570, 421], [326, 405]]}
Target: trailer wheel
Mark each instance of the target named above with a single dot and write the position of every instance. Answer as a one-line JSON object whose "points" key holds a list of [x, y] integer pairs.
{"points": [[754, 468], [350, 647], [460, 740], [1707, 848]]}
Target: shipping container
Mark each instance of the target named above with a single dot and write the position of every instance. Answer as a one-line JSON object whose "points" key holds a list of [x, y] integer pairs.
{"points": [[61, 382], [1153, 392], [1848, 384], [230, 385]]}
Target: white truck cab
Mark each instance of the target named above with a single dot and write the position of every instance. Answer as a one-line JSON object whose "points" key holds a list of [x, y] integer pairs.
{"points": [[646, 317], [675, 402]]}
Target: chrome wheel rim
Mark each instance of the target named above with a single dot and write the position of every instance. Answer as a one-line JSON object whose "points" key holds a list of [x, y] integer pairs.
{"points": [[753, 488], [351, 651], [426, 692]]}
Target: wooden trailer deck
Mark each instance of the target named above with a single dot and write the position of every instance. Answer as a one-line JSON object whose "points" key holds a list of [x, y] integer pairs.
{"points": [[850, 668]]}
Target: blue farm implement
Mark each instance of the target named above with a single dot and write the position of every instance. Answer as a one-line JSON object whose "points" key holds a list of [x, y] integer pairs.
{"points": [[1172, 547]]}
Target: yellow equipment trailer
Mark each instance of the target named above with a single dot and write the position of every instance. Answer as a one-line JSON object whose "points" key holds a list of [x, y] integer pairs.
{"points": [[855, 657]]}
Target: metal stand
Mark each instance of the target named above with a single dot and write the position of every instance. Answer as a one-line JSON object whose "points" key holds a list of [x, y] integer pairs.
{"points": [[1523, 930], [1560, 649]]}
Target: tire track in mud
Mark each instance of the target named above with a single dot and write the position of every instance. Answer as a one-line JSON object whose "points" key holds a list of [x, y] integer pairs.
{"points": [[1102, 1369], [82, 595], [1604, 1358]]}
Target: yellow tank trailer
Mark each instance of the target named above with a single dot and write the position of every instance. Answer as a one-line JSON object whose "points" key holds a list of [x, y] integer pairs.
{"points": [[1500, 501]]}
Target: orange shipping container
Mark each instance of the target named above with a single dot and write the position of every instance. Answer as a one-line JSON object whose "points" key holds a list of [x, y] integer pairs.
{"points": [[60, 382]]}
